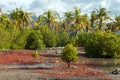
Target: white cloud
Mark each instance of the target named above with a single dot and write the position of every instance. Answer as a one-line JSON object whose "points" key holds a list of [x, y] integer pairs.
{"points": [[87, 7], [39, 6], [12, 4], [118, 1], [105, 3]]}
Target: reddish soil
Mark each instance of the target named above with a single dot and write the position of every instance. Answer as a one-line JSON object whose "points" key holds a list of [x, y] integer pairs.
{"points": [[78, 70], [17, 57]]}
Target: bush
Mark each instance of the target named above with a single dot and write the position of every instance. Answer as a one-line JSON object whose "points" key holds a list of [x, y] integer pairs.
{"points": [[35, 54], [35, 40], [4, 40], [69, 54], [63, 38], [103, 44], [82, 38], [72, 40], [14, 32], [49, 36], [21, 39]]}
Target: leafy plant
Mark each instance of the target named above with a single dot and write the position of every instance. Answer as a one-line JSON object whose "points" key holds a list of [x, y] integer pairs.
{"points": [[69, 54], [63, 38], [35, 54], [4, 40], [49, 36], [21, 39], [35, 40], [103, 44], [82, 38]]}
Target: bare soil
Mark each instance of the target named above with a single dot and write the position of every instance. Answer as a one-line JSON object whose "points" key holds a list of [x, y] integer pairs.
{"points": [[20, 65]]}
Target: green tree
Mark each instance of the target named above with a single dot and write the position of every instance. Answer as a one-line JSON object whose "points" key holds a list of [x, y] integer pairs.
{"points": [[116, 26], [21, 39], [81, 39], [4, 40], [77, 20], [102, 15], [67, 23], [4, 21], [49, 36], [63, 38], [50, 18], [35, 40], [93, 19], [103, 44], [14, 32], [85, 23], [69, 54], [20, 18]]}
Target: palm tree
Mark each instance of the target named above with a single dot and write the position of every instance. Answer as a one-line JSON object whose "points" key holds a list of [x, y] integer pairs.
{"points": [[85, 24], [117, 23], [16, 16], [50, 18], [102, 15], [68, 21], [77, 19], [81, 21], [93, 19], [20, 18]]}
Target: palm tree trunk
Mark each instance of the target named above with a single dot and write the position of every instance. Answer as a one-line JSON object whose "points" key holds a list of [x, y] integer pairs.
{"points": [[100, 27], [92, 25], [68, 27], [49, 24], [86, 28]]}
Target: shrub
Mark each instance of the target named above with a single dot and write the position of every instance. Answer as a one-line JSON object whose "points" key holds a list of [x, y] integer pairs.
{"points": [[35, 40], [14, 32], [82, 38], [63, 38], [4, 40], [49, 36], [35, 54], [69, 54], [103, 44], [21, 40], [72, 40]]}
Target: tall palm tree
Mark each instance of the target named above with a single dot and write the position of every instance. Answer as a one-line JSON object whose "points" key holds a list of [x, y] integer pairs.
{"points": [[50, 18], [85, 22], [102, 15], [93, 19], [16, 16], [68, 21], [20, 18], [77, 19], [117, 23], [81, 21]]}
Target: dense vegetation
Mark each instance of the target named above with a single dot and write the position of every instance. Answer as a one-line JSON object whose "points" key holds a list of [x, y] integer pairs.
{"points": [[100, 43], [97, 32]]}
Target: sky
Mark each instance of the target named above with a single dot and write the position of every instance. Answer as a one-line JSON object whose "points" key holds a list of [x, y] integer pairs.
{"points": [[61, 6]]}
